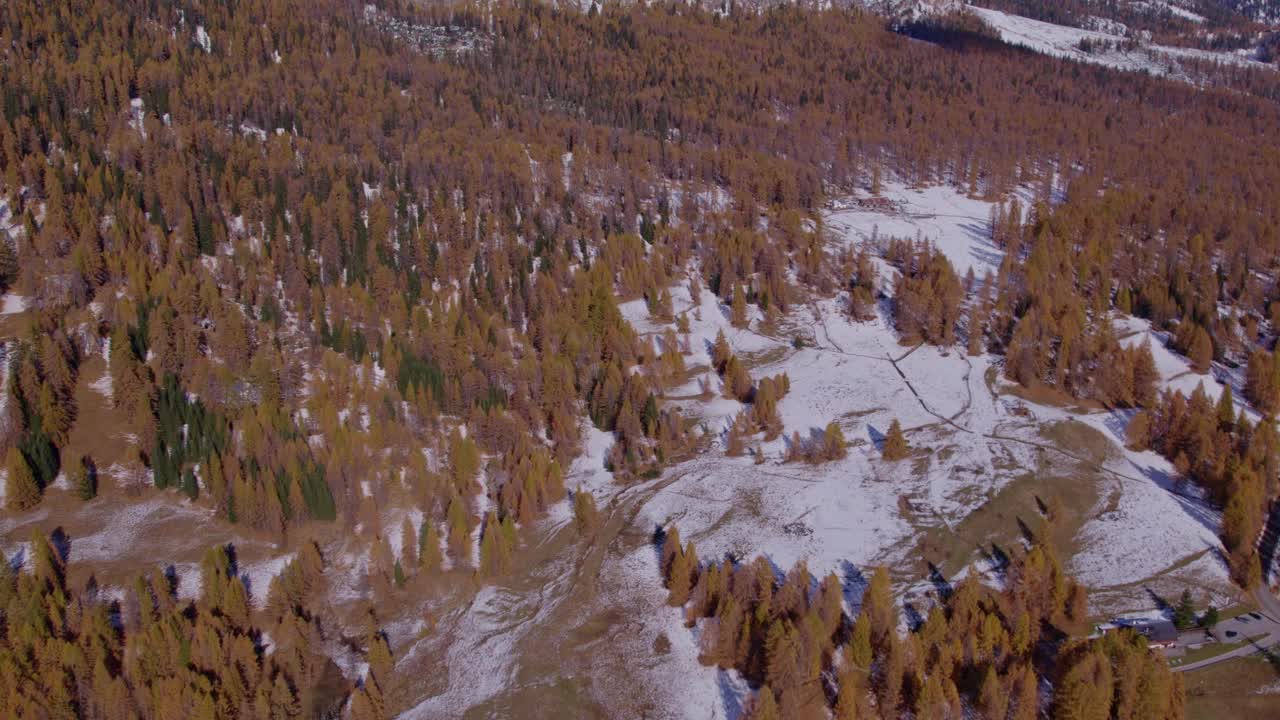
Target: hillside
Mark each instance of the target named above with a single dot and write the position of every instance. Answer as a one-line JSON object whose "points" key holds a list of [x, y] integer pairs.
{"points": [[427, 360]]}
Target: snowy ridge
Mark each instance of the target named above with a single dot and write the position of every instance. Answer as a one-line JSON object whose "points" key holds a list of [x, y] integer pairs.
{"points": [[1108, 49]]}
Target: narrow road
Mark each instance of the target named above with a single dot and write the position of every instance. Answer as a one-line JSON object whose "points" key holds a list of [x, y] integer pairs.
{"points": [[1268, 604], [1257, 646]]}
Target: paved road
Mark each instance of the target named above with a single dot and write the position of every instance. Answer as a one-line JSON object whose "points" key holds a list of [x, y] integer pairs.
{"points": [[1269, 608], [1267, 603]]}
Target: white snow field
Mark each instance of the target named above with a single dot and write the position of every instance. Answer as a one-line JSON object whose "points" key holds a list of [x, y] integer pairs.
{"points": [[1064, 42], [1175, 369], [957, 224]]}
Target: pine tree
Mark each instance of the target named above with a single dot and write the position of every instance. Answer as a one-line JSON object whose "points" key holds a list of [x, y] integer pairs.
{"points": [[833, 442], [1184, 615], [879, 607], [429, 557], [889, 693], [859, 647], [1137, 434], [1085, 690], [680, 580], [1124, 301], [1200, 352], [1262, 381], [189, 487], [85, 478], [895, 443], [993, 701], [585, 514], [738, 310], [22, 490], [1226, 409], [1210, 619], [1145, 375], [8, 265], [764, 707], [720, 352], [671, 547], [459, 521], [408, 545], [1026, 696]]}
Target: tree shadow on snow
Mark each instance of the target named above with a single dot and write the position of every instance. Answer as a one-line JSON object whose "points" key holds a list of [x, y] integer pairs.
{"points": [[1117, 423], [854, 583], [18, 560], [659, 539], [941, 584], [877, 437], [61, 543], [913, 616], [980, 246], [730, 696], [1195, 508], [998, 558], [1161, 604]]}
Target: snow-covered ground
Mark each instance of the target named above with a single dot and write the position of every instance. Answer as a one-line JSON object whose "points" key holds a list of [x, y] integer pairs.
{"points": [[13, 304], [1175, 369], [1065, 42], [958, 225], [1173, 8], [848, 511], [1152, 523], [1146, 531]]}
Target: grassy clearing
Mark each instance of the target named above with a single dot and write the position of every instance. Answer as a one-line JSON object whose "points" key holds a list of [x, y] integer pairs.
{"points": [[1020, 508], [1230, 689], [1046, 395], [765, 358], [1212, 650], [99, 429], [1079, 439]]}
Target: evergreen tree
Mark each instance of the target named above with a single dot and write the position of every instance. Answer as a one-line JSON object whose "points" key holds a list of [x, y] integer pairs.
{"points": [[1210, 618], [720, 352], [681, 576], [738, 309], [1184, 615], [8, 265], [429, 556], [1137, 434], [22, 490], [1146, 375], [85, 478], [408, 545], [764, 707], [833, 442], [585, 514], [895, 443], [1200, 352], [1085, 690]]}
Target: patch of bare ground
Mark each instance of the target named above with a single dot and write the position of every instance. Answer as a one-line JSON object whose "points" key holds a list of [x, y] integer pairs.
{"points": [[1056, 498], [1247, 687]]}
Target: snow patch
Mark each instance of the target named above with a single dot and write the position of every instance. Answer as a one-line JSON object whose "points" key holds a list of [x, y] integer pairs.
{"points": [[14, 304], [203, 39]]}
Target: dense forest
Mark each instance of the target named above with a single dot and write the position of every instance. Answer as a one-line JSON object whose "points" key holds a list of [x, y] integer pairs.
{"points": [[335, 252]]}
